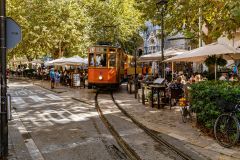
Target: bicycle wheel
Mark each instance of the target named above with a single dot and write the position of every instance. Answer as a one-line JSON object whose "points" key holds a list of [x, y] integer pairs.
{"points": [[226, 130]]}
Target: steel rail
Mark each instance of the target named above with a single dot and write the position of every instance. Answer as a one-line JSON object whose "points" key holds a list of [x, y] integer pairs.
{"points": [[154, 135], [131, 154]]}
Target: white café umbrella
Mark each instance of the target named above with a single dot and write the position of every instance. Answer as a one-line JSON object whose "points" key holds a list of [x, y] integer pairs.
{"points": [[158, 55], [37, 61], [55, 61], [85, 61], [200, 54], [75, 60]]}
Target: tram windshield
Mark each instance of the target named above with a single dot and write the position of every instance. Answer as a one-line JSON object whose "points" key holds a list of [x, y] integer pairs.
{"points": [[91, 59], [112, 59], [101, 60]]}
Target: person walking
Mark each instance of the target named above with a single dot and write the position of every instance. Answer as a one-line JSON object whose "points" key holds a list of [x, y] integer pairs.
{"points": [[57, 78], [52, 78]]}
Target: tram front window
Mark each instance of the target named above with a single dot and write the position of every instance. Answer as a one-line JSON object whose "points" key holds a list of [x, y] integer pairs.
{"points": [[101, 60], [112, 59], [91, 59]]}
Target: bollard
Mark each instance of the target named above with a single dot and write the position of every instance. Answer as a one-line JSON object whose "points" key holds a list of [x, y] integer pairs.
{"points": [[143, 95], [136, 89], [9, 107], [83, 82]]}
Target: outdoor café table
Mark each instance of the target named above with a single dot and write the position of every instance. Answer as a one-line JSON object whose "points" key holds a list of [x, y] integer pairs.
{"points": [[160, 89]]}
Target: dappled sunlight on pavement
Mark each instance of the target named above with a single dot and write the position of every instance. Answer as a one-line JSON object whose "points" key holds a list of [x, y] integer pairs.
{"points": [[54, 113]]}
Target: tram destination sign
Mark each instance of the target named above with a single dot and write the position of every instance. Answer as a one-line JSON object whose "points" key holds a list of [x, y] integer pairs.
{"points": [[13, 33]]}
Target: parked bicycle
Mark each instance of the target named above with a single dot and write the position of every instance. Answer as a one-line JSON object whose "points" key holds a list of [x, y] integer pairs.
{"points": [[227, 126]]}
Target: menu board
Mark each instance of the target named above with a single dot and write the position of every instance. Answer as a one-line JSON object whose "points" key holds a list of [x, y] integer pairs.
{"points": [[76, 80]]}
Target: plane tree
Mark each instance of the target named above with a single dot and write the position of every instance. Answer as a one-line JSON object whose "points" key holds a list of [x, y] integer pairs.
{"points": [[64, 28], [59, 27], [219, 17]]}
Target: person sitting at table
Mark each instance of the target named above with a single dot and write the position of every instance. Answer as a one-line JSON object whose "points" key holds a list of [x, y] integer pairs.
{"points": [[233, 77], [156, 76], [192, 78], [198, 78], [223, 77], [175, 90], [177, 84]]}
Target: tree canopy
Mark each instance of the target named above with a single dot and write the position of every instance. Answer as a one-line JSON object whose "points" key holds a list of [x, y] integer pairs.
{"points": [[218, 17], [64, 28], [67, 27]]}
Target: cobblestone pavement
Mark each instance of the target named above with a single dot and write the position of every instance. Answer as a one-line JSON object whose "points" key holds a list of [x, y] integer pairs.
{"points": [[164, 120]]}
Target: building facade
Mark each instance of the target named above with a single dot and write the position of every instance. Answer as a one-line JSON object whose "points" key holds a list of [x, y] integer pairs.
{"points": [[152, 40]]}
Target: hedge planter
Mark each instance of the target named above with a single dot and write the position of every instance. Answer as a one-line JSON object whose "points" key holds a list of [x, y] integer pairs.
{"points": [[208, 97]]}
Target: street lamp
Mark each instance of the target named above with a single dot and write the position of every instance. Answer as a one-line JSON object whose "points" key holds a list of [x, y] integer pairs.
{"points": [[161, 4]]}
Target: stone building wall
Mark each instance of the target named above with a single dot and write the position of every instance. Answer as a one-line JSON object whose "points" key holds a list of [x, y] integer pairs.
{"points": [[152, 40]]}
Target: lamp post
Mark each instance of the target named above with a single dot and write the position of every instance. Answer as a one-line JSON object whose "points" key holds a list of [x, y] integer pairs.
{"points": [[135, 67], [161, 4]]}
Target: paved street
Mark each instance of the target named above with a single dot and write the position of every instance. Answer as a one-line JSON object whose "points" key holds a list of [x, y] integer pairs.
{"points": [[52, 125], [165, 121], [57, 127]]}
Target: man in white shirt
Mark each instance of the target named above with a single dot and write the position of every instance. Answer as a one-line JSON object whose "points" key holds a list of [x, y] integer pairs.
{"points": [[223, 77]]}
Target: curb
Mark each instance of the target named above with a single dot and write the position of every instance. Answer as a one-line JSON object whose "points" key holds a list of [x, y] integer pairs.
{"points": [[81, 100], [58, 92]]}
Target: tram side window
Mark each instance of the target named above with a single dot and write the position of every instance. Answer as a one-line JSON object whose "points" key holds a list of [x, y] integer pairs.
{"points": [[101, 60], [112, 60], [91, 59]]}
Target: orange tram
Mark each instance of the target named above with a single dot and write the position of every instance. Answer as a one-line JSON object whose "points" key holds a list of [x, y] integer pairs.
{"points": [[106, 66]]}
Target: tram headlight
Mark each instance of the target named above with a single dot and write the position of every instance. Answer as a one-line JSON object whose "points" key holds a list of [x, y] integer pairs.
{"points": [[100, 77]]}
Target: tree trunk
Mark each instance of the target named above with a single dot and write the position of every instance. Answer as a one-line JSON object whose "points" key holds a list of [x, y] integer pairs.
{"points": [[211, 69]]}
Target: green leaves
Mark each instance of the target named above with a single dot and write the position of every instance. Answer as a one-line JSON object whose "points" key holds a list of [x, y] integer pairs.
{"points": [[211, 60], [218, 17], [64, 28], [60, 27], [208, 99]]}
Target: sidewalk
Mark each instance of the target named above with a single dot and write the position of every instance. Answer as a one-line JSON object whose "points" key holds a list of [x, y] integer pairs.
{"points": [[165, 121]]}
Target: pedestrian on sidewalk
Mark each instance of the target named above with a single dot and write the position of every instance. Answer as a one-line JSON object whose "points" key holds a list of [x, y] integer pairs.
{"points": [[52, 78], [57, 78]]}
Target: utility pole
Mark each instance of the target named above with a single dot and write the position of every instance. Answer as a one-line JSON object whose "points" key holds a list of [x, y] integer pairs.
{"points": [[3, 113]]}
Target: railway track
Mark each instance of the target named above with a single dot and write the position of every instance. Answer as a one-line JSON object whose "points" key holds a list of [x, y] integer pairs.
{"points": [[130, 153], [127, 148]]}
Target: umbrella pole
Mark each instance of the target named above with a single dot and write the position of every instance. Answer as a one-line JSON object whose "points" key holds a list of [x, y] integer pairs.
{"points": [[172, 70]]}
